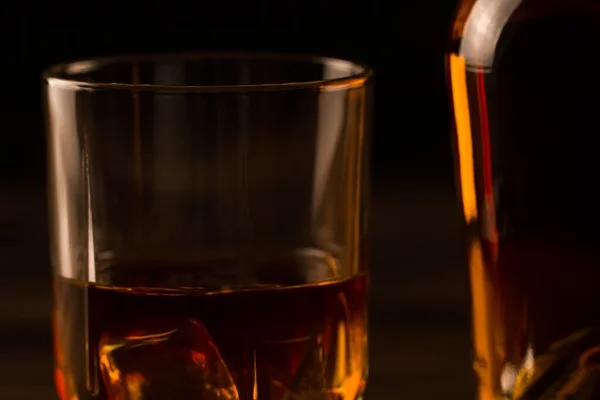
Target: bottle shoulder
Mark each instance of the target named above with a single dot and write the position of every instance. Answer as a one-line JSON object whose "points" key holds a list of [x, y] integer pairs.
{"points": [[479, 24]]}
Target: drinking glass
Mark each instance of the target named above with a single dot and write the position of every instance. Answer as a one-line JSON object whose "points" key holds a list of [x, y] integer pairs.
{"points": [[208, 226]]}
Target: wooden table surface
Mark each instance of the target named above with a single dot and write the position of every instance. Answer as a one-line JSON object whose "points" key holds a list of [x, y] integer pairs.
{"points": [[419, 334]]}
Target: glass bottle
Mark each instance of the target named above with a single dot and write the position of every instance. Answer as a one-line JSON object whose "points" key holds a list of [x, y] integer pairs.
{"points": [[525, 85]]}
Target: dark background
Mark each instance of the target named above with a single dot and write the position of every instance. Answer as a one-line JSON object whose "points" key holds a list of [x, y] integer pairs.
{"points": [[420, 331]]}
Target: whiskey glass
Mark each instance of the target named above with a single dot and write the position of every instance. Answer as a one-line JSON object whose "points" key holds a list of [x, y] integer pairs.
{"points": [[208, 222]]}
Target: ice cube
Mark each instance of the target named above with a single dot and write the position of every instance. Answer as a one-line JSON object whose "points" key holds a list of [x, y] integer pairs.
{"points": [[329, 365], [163, 359], [295, 369]]}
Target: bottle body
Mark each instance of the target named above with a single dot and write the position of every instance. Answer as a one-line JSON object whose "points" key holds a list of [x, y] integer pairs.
{"points": [[525, 83]]}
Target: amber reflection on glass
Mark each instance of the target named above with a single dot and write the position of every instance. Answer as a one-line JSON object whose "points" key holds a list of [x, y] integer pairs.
{"points": [[486, 365]]}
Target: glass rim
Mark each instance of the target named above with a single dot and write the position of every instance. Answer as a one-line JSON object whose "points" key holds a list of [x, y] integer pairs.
{"points": [[57, 75]]}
